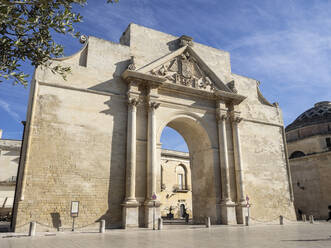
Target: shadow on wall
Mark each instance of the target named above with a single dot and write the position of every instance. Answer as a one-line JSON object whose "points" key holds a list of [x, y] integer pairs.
{"points": [[118, 110], [56, 220], [115, 84]]}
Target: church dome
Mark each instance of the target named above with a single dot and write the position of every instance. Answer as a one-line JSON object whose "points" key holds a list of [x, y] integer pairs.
{"points": [[320, 113]]}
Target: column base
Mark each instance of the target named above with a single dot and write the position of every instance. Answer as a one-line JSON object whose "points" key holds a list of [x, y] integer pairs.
{"points": [[130, 214], [241, 212], [228, 213], [152, 211]]}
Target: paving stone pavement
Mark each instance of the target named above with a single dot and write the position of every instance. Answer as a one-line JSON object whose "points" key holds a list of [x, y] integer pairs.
{"points": [[293, 235]]}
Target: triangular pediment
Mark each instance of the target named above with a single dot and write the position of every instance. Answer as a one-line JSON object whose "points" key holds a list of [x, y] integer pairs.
{"points": [[185, 68]]}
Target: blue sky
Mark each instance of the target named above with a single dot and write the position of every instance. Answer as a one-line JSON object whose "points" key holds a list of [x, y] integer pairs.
{"points": [[284, 44]]}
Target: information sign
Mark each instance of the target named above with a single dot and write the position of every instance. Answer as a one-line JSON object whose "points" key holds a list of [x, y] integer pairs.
{"points": [[74, 208]]}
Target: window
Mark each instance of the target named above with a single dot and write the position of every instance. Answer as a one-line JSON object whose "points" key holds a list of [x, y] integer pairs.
{"points": [[181, 178], [328, 142], [180, 181], [297, 154]]}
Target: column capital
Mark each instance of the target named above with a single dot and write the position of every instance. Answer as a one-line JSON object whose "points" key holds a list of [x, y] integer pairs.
{"points": [[235, 117], [222, 114], [153, 105], [133, 102]]}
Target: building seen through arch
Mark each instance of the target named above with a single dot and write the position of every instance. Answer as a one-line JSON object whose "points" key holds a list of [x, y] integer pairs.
{"points": [[176, 185]]}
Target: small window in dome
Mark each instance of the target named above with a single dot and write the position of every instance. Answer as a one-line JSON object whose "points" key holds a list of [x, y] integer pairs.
{"points": [[297, 154], [328, 142]]}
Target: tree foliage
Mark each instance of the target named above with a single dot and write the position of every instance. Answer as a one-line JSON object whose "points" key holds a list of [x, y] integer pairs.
{"points": [[26, 28]]}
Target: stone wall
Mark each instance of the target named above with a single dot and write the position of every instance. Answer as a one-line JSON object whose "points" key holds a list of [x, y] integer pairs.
{"points": [[75, 147], [9, 160], [311, 173], [311, 184], [77, 152]]}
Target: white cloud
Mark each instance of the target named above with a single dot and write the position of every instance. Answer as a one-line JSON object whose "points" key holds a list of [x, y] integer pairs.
{"points": [[288, 48], [6, 107]]}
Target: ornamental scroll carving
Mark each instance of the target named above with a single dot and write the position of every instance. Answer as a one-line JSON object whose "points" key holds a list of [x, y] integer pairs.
{"points": [[184, 70], [235, 117], [222, 115], [154, 105], [132, 102]]}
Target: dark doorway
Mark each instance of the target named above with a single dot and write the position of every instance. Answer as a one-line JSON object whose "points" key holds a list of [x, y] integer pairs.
{"points": [[182, 211]]}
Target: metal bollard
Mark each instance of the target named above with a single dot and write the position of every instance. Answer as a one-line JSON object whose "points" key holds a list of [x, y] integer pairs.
{"points": [[32, 229], [208, 222], [247, 220], [311, 219], [102, 226], [159, 224], [304, 218], [281, 220]]}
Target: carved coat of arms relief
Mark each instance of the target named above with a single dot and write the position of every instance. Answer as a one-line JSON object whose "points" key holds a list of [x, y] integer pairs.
{"points": [[184, 70]]}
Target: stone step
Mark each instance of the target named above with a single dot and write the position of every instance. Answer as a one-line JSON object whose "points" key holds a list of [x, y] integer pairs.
{"points": [[176, 222]]}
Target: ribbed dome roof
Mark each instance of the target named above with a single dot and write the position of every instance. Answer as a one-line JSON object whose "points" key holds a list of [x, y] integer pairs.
{"points": [[320, 113]]}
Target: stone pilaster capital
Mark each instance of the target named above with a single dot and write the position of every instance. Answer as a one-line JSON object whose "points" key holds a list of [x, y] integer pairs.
{"points": [[222, 114], [133, 102], [235, 117], [154, 105]]}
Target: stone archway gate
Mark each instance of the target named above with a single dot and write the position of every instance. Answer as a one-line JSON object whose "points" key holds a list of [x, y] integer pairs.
{"points": [[176, 85], [95, 137]]}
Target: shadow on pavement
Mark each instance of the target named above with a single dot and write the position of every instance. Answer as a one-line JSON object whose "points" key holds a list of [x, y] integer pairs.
{"points": [[308, 240]]}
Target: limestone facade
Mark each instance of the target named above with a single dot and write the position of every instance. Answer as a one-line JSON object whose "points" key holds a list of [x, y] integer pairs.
{"points": [[95, 138], [9, 159], [309, 146]]}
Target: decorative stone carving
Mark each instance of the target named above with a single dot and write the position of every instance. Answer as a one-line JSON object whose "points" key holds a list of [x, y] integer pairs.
{"points": [[154, 105], [232, 86], [235, 117], [133, 102], [132, 65], [83, 39], [185, 40], [185, 70], [222, 115]]}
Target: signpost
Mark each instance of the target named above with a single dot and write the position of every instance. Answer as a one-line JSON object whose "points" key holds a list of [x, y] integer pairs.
{"points": [[74, 212], [154, 199]]}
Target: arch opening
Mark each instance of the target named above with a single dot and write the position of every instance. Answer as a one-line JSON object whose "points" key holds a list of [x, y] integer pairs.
{"points": [[189, 180]]}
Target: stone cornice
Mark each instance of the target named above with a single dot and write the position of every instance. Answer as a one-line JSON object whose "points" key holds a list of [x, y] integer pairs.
{"points": [[10, 145], [155, 81], [229, 97], [168, 154], [129, 76]]}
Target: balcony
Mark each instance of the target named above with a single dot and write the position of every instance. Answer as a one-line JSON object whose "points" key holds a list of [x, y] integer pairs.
{"points": [[181, 188]]}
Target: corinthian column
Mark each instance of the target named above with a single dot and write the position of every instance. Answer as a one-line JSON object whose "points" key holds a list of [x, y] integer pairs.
{"points": [[152, 210], [130, 192], [228, 213], [236, 119], [151, 150], [222, 116], [130, 205]]}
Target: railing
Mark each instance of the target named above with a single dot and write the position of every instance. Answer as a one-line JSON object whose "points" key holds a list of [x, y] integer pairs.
{"points": [[181, 188]]}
